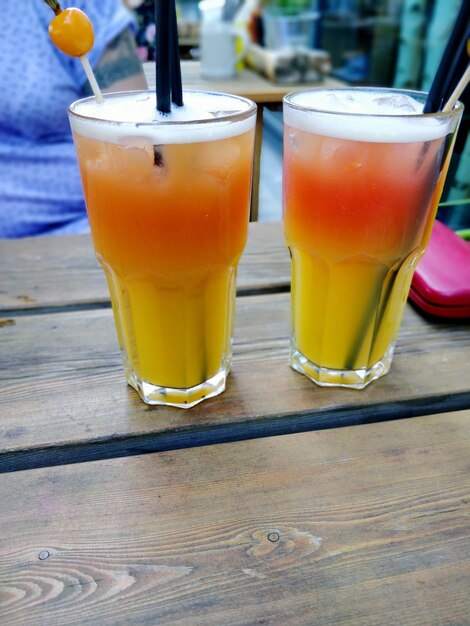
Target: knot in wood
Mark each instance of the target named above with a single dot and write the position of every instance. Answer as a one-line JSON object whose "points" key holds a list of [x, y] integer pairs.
{"points": [[43, 555]]}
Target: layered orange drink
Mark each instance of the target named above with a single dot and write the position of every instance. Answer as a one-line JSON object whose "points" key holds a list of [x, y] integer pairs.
{"points": [[363, 173], [168, 199]]}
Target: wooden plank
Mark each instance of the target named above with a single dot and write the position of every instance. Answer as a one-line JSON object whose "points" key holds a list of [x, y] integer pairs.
{"points": [[358, 526], [63, 271], [63, 397]]}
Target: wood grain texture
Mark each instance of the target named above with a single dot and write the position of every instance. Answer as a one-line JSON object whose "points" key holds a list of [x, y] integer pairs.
{"points": [[63, 397], [366, 526], [63, 271]]}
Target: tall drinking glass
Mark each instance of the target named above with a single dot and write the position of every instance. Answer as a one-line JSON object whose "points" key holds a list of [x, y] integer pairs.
{"points": [[168, 199], [363, 174]]}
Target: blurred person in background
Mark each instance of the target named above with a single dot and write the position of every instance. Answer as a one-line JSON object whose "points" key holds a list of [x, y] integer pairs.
{"points": [[144, 12], [40, 186]]}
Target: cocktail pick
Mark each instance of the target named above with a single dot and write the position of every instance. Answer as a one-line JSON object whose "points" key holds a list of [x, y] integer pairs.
{"points": [[72, 32]]}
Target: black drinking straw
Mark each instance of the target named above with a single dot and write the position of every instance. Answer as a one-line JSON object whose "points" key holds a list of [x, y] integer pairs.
{"points": [[176, 84], [449, 71], [459, 65], [168, 70]]}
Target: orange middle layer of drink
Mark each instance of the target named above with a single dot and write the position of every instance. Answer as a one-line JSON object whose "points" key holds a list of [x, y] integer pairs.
{"points": [[169, 225], [357, 218]]}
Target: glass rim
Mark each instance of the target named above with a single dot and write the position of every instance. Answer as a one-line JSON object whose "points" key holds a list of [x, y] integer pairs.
{"points": [[231, 116], [288, 100]]}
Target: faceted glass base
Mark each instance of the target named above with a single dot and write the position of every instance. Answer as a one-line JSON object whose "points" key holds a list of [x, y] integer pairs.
{"points": [[352, 379], [181, 398]]}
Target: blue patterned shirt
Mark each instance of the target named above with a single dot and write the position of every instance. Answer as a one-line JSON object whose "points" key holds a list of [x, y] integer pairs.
{"points": [[40, 187]]}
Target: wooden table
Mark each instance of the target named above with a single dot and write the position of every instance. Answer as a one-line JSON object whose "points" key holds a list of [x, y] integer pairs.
{"points": [[248, 84], [275, 503]]}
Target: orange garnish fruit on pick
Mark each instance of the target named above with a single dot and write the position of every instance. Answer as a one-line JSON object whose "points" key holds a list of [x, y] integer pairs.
{"points": [[71, 31]]}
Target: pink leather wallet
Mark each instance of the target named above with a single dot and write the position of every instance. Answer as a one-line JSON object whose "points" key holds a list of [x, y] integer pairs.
{"points": [[441, 282]]}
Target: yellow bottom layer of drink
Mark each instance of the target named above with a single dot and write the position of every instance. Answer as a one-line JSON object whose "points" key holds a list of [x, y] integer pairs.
{"points": [[169, 225], [357, 219]]}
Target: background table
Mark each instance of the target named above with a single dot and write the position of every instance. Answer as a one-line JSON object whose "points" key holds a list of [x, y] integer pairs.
{"points": [[247, 83]]}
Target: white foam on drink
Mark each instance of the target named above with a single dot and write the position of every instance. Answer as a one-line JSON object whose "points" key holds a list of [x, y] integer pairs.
{"points": [[133, 118], [372, 116]]}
